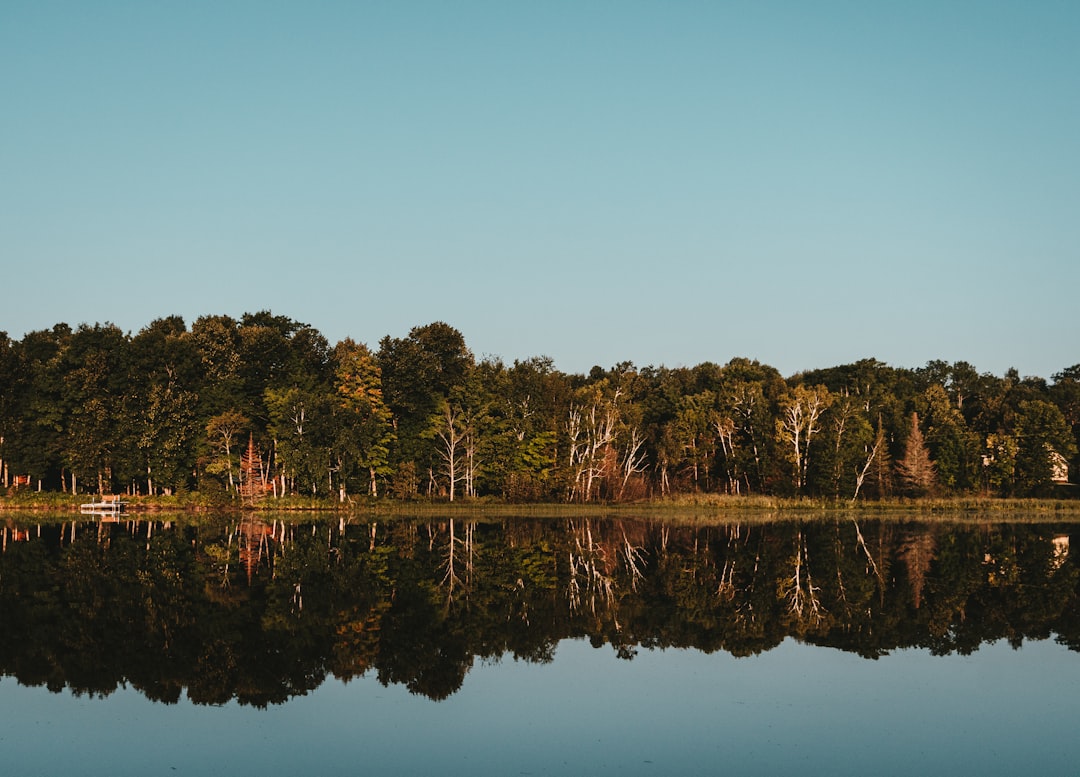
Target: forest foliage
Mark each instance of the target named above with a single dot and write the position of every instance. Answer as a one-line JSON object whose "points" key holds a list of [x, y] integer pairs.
{"points": [[172, 408]]}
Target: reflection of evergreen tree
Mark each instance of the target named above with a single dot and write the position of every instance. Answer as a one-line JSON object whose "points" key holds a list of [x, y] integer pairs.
{"points": [[917, 552]]}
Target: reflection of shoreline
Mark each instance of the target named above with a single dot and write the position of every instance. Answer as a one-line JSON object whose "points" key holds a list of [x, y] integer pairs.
{"points": [[260, 611]]}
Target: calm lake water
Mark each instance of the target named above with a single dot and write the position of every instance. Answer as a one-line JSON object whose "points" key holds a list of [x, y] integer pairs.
{"points": [[558, 647]]}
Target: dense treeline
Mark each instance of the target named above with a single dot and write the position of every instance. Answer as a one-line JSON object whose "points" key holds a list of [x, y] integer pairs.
{"points": [[170, 409]]}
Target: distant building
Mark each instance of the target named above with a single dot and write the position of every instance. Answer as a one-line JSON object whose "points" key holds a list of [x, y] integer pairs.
{"points": [[1059, 468]]}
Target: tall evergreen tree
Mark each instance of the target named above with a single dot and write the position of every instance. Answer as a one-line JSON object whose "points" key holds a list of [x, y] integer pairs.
{"points": [[916, 470]]}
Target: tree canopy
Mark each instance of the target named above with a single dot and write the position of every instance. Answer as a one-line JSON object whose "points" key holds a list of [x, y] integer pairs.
{"points": [[169, 409]]}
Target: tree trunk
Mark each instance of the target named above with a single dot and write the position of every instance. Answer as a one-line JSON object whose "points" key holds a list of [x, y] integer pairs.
{"points": [[228, 457], [860, 477]]}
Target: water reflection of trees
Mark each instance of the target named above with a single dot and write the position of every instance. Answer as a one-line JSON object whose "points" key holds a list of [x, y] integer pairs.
{"points": [[262, 611]]}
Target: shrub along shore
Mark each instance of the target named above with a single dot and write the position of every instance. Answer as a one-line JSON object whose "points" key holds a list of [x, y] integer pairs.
{"points": [[676, 507]]}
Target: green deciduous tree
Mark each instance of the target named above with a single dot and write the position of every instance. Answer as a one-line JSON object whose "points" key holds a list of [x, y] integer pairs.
{"points": [[1041, 432], [364, 431], [168, 427], [418, 373], [95, 376], [10, 376], [952, 445], [301, 425], [999, 463], [1065, 393], [845, 444], [223, 431]]}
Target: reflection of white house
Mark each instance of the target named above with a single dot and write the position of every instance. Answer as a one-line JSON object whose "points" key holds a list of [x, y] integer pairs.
{"points": [[1059, 468], [1061, 550]]}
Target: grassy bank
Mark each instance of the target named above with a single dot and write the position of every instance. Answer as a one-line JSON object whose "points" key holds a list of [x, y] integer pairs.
{"points": [[703, 505]]}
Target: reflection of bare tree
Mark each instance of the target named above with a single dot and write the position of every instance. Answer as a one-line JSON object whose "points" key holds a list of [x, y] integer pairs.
{"points": [[738, 542], [798, 591], [589, 581], [451, 578], [634, 556], [917, 551], [453, 561], [869, 556], [598, 560], [725, 589], [745, 616]]}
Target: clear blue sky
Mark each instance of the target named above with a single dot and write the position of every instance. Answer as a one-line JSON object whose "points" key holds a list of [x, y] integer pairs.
{"points": [[804, 183]]}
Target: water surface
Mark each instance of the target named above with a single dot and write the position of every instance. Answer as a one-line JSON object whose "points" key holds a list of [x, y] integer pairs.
{"points": [[553, 647]]}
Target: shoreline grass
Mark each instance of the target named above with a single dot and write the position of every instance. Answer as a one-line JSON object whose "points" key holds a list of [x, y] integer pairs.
{"points": [[698, 505]]}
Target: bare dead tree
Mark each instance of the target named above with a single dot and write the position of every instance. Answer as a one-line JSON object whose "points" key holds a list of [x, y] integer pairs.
{"points": [[633, 459], [591, 431], [799, 414], [725, 432], [745, 405], [860, 475], [451, 435]]}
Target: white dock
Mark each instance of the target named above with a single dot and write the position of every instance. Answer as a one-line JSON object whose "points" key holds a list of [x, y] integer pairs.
{"points": [[110, 506]]}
